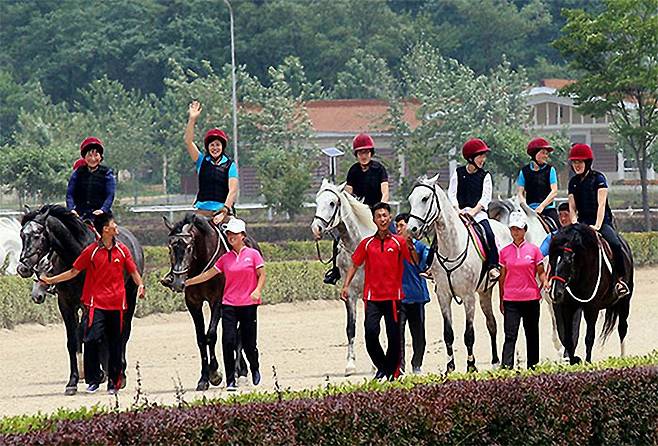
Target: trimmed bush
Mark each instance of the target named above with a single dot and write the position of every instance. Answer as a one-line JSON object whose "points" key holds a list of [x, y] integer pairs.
{"points": [[644, 246], [613, 406]]}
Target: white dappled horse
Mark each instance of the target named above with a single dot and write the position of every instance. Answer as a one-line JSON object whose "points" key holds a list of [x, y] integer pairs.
{"points": [[337, 210], [10, 244], [431, 210]]}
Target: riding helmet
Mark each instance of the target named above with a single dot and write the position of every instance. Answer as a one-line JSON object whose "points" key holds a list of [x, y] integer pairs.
{"points": [[536, 145], [363, 141], [89, 143], [214, 134], [581, 152], [474, 147]]}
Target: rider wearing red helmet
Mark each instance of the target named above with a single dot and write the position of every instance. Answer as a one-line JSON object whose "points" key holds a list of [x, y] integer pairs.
{"points": [[537, 182], [367, 179], [91, 188], [588, 204], [470, 192], [217, 173]]}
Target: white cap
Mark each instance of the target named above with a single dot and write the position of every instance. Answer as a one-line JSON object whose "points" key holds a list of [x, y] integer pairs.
{"points": [[235, 225], [518, 219]]}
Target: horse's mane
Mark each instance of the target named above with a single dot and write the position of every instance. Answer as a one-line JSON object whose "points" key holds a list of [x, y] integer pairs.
{"points": [[74, 224], [578, 237], [190, 219], [361, 211]]}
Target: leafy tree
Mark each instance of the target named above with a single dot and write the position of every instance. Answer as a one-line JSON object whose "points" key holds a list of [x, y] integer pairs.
{"points": [[618, 51], [14, 98], [365, 76]]}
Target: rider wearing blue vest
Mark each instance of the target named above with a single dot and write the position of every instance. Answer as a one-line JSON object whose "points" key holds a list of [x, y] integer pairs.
{"points": [[91, 188], [217, 173], [537, 182], [588, 204], [470, 192], [416, 296]]}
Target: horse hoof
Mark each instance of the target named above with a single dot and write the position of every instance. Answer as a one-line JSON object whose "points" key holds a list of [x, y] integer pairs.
{"points": [[215, 378], [450, 367], [495, 365], [575, 360], [202, 386], [71, 390], [470, 367], [350, 369]]}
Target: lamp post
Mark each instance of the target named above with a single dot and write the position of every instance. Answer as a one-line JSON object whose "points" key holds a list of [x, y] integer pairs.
{"points": [[333, 153], [234, 95]]}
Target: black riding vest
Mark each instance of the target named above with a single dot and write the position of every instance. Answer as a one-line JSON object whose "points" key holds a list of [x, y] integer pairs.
{"points": [[469, 187], [213, 181], [90, 188], [537, 183], [585, 194]]}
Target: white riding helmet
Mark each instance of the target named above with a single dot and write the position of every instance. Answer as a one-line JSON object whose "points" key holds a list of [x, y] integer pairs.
{"points": [[518, 219]]}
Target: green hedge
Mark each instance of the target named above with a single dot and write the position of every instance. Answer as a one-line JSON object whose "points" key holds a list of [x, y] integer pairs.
{"points": [[644, 246], [286, 282], [613, 402]]}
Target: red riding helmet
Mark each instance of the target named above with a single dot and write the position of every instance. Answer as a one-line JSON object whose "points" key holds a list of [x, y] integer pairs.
{"points": [[473, 147], [90, 142], [581, 152], [215, 134], [536, 145], [363, 141], [79, 163]]}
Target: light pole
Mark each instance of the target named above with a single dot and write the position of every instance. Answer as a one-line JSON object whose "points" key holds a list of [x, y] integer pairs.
{"points": [[235, 96]]}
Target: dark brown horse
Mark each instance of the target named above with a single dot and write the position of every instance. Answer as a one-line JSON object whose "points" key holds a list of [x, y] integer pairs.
{"points": [[194, 246], [582, 277]]}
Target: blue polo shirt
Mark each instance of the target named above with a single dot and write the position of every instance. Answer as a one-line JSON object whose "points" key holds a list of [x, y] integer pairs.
{"points": [[413, 285]]}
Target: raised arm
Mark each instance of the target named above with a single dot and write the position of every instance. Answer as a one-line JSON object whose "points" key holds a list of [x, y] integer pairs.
{"points": [[193, 113]]}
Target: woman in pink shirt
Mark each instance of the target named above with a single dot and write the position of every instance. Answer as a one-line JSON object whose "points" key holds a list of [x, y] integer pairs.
{"points": [[243, 268], [519, 293]]}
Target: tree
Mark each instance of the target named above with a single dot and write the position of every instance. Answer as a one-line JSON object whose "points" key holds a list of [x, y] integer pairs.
{"points": [[617, 50], [365, 76]]}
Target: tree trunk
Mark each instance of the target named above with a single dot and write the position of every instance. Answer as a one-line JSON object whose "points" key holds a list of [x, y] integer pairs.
{"points": [[164, 176], [509, 186], [642, 164]]}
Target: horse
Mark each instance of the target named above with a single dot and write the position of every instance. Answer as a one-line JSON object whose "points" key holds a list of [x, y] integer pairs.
{"points": [[352, 220], [56, 233], [457, 268], [582, 278], [194, 247], [10, 245]]}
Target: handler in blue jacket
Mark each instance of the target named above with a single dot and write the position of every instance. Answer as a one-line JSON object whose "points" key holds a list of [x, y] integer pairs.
{"points": [[416, 296]]}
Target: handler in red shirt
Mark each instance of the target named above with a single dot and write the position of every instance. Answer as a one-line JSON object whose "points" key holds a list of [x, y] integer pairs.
{"points": [[383, 255], [105, 262]]}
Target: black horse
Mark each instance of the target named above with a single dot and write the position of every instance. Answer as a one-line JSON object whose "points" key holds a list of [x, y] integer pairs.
{"points": [[582, 277], [194, 246], [59, 235]]}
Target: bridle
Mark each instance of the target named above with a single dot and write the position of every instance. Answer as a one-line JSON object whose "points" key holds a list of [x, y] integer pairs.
{"points": [[329, 224], [428, 216], [213, 257]]}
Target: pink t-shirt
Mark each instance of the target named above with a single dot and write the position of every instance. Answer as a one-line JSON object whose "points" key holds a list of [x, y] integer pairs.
{"points": [[241, 278], [521, 265]]}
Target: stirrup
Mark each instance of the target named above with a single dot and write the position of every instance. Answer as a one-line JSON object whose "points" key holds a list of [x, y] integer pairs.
{"points": [[494, 274], [621, 289]]}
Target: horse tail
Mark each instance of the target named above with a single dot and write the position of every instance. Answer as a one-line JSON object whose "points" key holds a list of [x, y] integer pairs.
{"points": [[619, 311]]}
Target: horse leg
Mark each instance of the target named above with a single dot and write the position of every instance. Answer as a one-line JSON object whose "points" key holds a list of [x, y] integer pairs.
{"points": [[350, 307], [69, 314], [564, 315], [196, 311], [448, 335], [211, 336], [469, 333], [590, 318], [622, 321], [80, 333], [487, 309]]}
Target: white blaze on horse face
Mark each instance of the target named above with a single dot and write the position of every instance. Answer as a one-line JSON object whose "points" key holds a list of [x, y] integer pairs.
{"points": [[421, 203]]}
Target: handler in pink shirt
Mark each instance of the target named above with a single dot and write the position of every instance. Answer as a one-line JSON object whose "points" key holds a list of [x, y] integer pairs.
{"points": [[519, 293], [243, 268]]}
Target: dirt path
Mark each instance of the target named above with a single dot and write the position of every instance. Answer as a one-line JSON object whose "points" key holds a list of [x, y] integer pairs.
{"points": [[304, 341]]}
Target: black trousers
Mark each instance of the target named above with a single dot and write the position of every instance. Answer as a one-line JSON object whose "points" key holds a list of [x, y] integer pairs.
{"points": [[492, 253], [611, 236], [106, 325], [245, 317], [414, 313], [389, 362], [515, 312]]}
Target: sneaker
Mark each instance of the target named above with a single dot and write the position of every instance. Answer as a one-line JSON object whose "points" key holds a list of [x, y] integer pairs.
{"points": [[379, 375], [112, 391], [255, 377], [92, 388], [416, 371], [232, 386]]}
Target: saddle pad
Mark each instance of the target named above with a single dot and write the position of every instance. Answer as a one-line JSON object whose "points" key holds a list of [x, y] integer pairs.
{"points": [[476, 233]]}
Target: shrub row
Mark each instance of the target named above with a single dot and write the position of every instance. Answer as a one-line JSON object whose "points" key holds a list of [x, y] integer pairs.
{"points": [[286, 282], [611, 406], [644, 246]]}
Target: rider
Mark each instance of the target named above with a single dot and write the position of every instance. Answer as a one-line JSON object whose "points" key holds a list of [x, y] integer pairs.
{"points": [[537, 182], [218, 174], [367, 179], [470, 192], [91, 188], [588, 204]]}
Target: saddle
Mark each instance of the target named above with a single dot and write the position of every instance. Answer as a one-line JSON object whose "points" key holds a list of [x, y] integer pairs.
{"points": [[477, 234], [548, 224]]}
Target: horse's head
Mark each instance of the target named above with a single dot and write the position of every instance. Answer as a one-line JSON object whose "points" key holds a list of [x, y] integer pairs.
{"points": [[566, 245], [36, 243], [327, 209], [181, 243], [40, 289], [425, 206]]}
